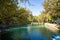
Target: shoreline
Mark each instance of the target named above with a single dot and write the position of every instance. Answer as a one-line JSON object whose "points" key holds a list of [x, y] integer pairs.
{"points": [[52, 27]]}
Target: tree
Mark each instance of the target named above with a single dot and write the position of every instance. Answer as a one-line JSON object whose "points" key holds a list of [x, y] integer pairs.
{"points": [[35, 18], [22, 16], [42, 17], [30, 18], [11, 14], [52, 9], [7, 10]]}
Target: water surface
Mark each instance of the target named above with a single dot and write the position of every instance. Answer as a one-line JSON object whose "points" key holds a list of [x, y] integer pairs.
{"points": [[29, 32]]}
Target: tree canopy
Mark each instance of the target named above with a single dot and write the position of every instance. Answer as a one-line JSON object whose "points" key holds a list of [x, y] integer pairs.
{"points": [[52, 8], [11, 14]]}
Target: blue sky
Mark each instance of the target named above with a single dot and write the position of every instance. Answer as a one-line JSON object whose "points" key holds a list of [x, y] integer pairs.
{"points": [[37, 8]]}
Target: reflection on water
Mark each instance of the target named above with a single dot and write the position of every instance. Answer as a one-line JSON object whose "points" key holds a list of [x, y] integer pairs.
{"points": [[28, 32]]}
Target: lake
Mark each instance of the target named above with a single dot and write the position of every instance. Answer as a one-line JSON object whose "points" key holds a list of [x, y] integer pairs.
{"points": [[29, 32]]}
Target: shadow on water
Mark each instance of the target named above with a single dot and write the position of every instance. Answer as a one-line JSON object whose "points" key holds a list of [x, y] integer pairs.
{"points": [[6, 36]]}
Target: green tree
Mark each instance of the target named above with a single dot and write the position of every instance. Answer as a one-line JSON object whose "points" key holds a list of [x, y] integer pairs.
{"points": [[42, 17], [51, 11], [22, 17], [35, 18], [52, 8], [11, 14], [7, 10]]}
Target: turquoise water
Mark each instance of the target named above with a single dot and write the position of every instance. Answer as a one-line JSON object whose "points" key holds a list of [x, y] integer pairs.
{"points": [[29, 32]]}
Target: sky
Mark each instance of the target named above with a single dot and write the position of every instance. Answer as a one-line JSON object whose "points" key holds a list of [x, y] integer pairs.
{"points": [[37, 7]]}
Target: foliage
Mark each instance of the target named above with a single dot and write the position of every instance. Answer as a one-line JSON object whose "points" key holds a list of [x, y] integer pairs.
{"points": [[42, 17], [52, 8], [11, 14], [7, 10], [35, 18]]}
